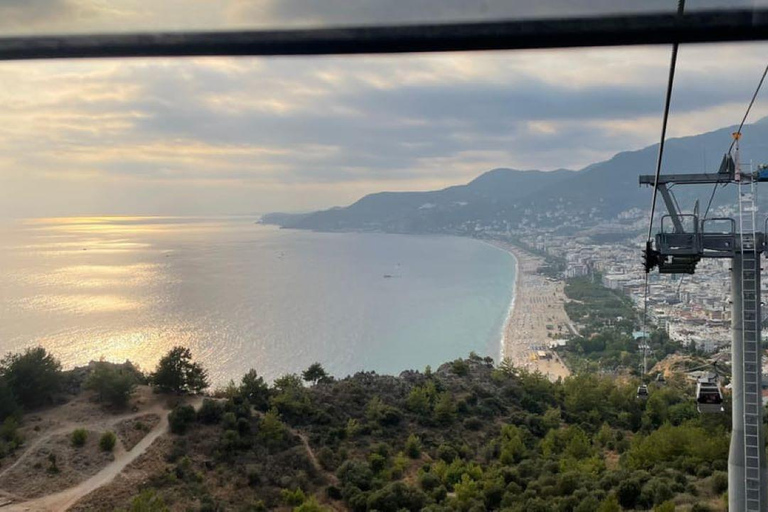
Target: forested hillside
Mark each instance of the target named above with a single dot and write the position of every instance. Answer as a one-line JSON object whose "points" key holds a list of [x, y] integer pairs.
{"points": [[469, 436]]}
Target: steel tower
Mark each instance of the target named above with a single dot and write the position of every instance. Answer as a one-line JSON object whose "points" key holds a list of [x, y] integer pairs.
{"points": [[678, 248]]}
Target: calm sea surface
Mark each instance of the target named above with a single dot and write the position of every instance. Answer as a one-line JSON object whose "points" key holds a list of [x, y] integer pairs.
{"points": [[246, 296]]}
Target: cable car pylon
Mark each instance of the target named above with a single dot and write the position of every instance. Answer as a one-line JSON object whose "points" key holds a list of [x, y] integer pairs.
{"points": [[683, 240]]}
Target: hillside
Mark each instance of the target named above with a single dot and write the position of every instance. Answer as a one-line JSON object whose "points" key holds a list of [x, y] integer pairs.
{"points": [[468, 436], [507, 199]]}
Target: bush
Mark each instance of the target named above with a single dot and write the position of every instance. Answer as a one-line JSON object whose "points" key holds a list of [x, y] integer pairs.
{"points": [[460, 367], [112, 383], [719, 482], [628, 493], [310, 505], [177, 373], [327, 458], [271, 429], [429, 481], [445, 409], [447, 453], [413, 446], [396, 496], [180, 418], [33, 377], [210, 412], [79, 437], [293, 498], [107, 441], [148, 501]]}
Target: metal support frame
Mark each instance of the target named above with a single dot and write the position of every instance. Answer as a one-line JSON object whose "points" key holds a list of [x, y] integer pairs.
{"points": [[747, 474], [700, 26]]}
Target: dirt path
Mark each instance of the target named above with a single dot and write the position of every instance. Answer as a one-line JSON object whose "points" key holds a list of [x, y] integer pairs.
{"points": [[313, 459], [65, 499]]}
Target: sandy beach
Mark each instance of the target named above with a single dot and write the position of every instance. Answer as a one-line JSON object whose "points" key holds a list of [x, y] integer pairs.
{"points": [[536, 318]]}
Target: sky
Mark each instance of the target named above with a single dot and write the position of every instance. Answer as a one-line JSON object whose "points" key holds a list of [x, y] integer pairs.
{"points": [[249, 135]]}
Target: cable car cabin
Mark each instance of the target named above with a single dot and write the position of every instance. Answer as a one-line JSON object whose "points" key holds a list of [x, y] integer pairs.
{"points": [[660, 379], [709, 399], [642, 392]]}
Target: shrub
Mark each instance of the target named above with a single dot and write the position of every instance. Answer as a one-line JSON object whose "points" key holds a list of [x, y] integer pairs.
{"points": [[333, 492], [445, 409], [79, 437], [112, 383], [243, 426], [33, 377], [148, 501], [719, 482], [413, 446], [460, 367], [310, 505], [356, 473], [271, 429], [177, 373], [327, 458], [628, 493], [210, 412], [429, 481], [293, 498], [107, 441], [396, 496], [377, 462], [180, 418], [447, 453]]}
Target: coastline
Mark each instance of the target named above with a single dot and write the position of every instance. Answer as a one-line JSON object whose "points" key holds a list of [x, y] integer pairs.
{"points": [[536, 315]]}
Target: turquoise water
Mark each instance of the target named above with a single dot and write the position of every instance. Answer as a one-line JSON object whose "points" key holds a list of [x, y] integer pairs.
{"points": [[243, 296]]}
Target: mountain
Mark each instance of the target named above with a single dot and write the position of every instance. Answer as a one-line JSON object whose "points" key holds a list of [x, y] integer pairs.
{"points": [[506, 198]]}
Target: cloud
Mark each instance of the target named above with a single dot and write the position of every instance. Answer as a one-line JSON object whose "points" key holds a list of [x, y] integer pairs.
{"points": [[236, 135]]}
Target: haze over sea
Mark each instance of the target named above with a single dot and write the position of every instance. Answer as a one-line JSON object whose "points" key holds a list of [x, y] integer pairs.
{"points": [[243, 296]]}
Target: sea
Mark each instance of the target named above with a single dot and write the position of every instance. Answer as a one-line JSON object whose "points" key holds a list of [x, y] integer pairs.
{"points": [[242, 295]]}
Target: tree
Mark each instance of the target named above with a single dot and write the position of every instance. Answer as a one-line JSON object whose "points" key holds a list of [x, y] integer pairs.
{"points": [[271, 429], [177, 373], [315, 374], [114, 384], [8, 404], [610, 504], [413, 446], [33, 377], [253, 388], [445, 408]]}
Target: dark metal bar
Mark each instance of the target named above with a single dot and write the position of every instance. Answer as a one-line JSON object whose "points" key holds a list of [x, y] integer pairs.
{"points": [[687, 179], [695, 27]]}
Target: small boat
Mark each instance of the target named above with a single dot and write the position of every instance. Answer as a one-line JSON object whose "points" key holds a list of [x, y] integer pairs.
{"points": [[388, 276]]}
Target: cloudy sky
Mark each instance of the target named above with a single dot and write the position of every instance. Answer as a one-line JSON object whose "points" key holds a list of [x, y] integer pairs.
{"points": [[242, 135]]}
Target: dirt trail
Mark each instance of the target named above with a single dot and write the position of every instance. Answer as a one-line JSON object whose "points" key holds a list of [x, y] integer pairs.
{"points": [[313, 459], [65, 499]]}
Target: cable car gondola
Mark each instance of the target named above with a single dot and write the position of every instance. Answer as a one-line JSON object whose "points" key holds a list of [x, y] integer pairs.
{"points": [[642, 392], [709, 398], [660, 380]]}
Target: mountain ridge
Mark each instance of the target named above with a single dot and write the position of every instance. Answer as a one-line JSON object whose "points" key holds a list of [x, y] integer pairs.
{"points": [[508, 199]]}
